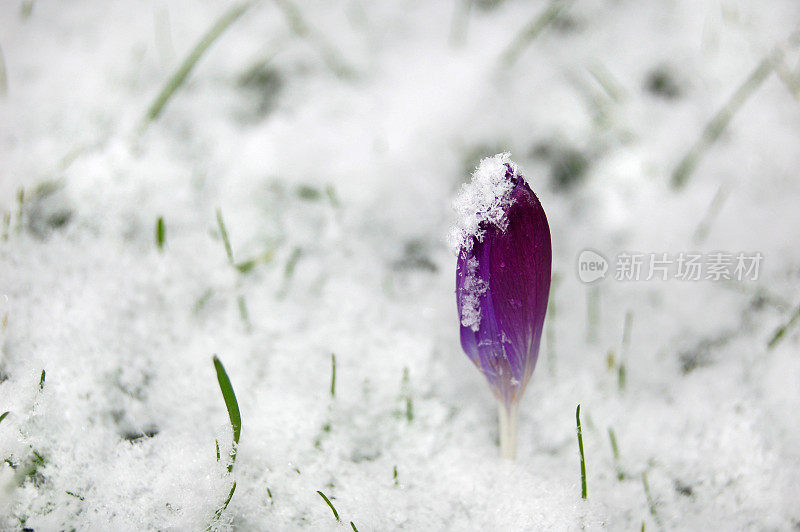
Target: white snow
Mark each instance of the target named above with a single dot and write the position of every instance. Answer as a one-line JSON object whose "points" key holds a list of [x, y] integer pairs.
{"points": [[358, 173], [484, 199], [473, 289]]}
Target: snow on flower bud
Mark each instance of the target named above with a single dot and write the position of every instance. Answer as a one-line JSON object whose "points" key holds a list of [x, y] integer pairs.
{"points": [[502, 281]]}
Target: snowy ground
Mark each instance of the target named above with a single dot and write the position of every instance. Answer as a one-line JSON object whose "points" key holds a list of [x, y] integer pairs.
{"points": [[333, 145]]}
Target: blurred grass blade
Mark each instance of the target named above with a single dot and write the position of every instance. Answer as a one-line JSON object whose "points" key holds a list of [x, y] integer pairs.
{"points": [[650, 502], [248, 265], [41, 381], [531, 31], [615, 451], [3, 416], [179, 76], [160, 233], [704, 227], [6, 226], [223, 232], [460, 22], [780, 331], [331, 56], [333, 375], [288, 271], [720, 121], [243, 313]]}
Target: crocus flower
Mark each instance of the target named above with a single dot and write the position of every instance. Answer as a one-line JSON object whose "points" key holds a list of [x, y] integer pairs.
{"points": [[502, 282]]}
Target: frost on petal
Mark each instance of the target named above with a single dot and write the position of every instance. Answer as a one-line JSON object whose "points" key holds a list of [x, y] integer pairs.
{"points": [[482, 202], [473, 289]]}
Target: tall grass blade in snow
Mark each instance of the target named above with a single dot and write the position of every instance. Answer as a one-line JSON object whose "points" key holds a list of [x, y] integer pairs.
{"points": [[179, 76], [3, 416], [232, 406], [580, 448], [502, 282], [328, 502]]}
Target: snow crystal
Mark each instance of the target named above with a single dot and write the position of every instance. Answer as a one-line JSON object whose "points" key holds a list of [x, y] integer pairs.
{"points": [[485, 199], [473, 289]]}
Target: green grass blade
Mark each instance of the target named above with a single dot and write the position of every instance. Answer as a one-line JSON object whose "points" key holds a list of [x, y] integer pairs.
{"points": [[580, 447], [160, 233], [333, 375], [6, 226], [230, 402], [223, 232], [3, 416], [780, 331], [20, 208], [243, 312], [236, 424], [615, 450], [41, 381], [328, 502], [179, 76]]}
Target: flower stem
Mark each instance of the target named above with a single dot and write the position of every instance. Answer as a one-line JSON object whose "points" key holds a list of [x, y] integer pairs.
{"points": [[508, 416]]}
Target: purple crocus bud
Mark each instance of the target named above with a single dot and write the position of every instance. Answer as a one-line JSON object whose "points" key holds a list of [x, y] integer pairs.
{"points": [[502, 282]]}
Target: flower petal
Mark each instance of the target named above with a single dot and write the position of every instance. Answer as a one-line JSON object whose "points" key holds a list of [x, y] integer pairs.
{"points": [[502, 287]]}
